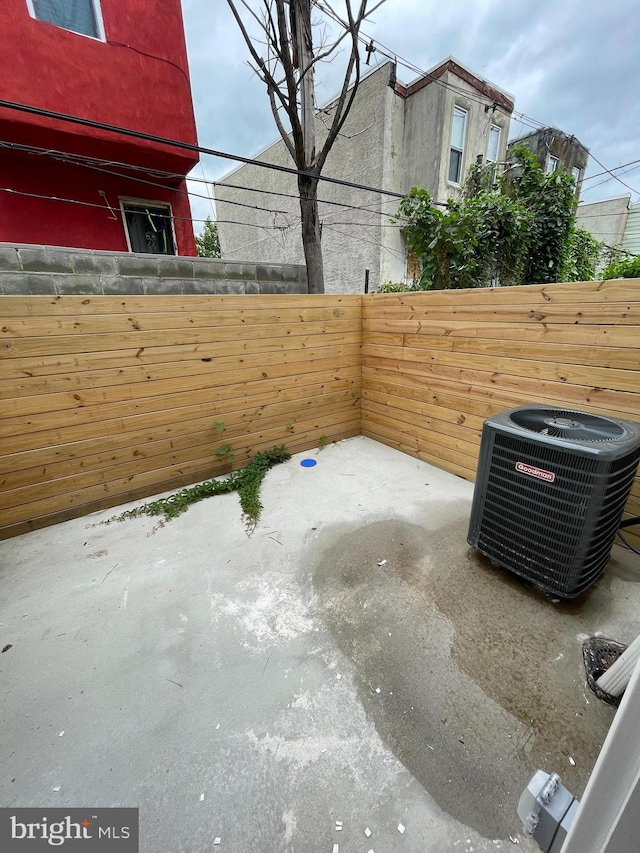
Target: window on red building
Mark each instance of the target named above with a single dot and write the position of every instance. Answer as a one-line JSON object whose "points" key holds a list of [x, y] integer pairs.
{"points": [[149, 227], [79, 16]]}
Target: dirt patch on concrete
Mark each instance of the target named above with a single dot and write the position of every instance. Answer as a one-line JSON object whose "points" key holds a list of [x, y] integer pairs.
{"points": [[471, 679]]}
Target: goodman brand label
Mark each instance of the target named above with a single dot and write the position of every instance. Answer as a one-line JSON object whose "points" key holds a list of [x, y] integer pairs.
{"points": [[533, 471], [101, 830]]}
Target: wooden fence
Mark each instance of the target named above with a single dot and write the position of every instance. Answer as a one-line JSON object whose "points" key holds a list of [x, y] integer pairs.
{"points": [[106, 399], [435, 365]]}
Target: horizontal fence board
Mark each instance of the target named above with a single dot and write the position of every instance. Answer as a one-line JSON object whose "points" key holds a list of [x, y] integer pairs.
{"points": [[70, 306], [412, 403], [615, 336], [62, 371], [89, 324], [598, 314], [246, 383], [143, 433], [580, 292], [110, 399], [574, 374], [182, 378], [614, 357], [171, 407], [135, 433], [137, 342], [54, 463], [529, 388], [435, 365]]}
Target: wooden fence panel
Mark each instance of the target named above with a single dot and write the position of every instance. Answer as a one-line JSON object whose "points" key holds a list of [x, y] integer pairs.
{"points": [[106, 399], [435, 365]]}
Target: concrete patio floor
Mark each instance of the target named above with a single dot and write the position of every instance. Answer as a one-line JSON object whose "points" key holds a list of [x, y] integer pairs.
{"points": [[257, 689]]}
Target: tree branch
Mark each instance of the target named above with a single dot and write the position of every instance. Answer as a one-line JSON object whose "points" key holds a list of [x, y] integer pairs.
{"points": [[289, 104], [344, 104]]}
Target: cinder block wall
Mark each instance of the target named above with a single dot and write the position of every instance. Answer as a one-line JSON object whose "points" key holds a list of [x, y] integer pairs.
{"points": [[27, 270]]}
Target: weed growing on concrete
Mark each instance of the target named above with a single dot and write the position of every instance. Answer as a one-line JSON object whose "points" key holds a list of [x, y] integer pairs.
{"points": [[246, 482]]}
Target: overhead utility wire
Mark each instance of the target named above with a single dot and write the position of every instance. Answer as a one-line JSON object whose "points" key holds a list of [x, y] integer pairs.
{"points": [[187, 146], [102, 207], [91, 163], [82, 163], [608, 171], [102, 166], [394, 57], [615, 169]]}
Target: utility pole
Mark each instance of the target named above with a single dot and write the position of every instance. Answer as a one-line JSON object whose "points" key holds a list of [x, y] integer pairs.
{"points": [[302, 13]]}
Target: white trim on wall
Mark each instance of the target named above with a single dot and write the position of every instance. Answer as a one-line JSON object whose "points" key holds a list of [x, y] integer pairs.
{"points": [[459, 112], [142, 203]]}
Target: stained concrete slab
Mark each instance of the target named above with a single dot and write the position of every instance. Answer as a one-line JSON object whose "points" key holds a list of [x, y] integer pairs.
{"points": [[260, 688]]}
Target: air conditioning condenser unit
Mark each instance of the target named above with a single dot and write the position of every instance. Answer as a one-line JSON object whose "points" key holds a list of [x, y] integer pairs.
{"points": [[549, 494]]}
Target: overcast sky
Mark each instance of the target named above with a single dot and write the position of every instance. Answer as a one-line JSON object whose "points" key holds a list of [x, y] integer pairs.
{"points": [[573, 64]]}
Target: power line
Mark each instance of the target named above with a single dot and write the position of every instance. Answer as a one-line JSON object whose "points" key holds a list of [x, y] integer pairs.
{"points": [[608, 171], [187, 146], [615, 169], [396, 58], [610, 178], [85, 164], [102, 167], [102, 207]]}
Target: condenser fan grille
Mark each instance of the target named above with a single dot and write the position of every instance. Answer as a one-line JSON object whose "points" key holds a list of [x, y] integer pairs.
{"points": [[564, 423]]}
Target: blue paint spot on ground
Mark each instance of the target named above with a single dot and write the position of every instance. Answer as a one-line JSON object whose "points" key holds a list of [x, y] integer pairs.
{"points": [[308, 463]]}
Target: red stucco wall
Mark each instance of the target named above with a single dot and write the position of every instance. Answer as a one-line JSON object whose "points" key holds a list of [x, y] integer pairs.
{"points": [[137, 79], [27, 218]]}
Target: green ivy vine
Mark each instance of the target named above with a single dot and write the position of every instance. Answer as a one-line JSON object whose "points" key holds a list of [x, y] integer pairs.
{"points": [[246, 482]]}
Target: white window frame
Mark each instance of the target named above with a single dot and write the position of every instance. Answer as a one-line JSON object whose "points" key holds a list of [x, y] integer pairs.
{"points": [[556, 164], [493, 128], [142, 203], [97, 11], [453, 147]]}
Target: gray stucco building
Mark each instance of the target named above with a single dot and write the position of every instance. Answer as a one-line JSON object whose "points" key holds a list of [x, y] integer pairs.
{"points": [[555, 149], [425, 134]]}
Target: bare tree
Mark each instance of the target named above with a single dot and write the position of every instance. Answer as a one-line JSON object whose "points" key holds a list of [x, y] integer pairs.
{"points": [[284, 58]]}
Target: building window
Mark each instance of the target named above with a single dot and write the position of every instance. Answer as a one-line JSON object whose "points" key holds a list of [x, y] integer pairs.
{"points": [[149, 227], [458, 132], [552, 164], [576, 175], [78, 16], [493, 146]]}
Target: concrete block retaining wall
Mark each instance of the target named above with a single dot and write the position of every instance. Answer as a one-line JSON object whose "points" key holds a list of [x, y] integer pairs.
{"points": [[27, 270]]}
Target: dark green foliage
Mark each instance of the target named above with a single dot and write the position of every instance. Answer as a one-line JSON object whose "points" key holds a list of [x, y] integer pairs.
{"points": [[582, 257], [550, 200], [393, 287], [518, 229], [246, 482], [208, 243], [627, 268]]}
